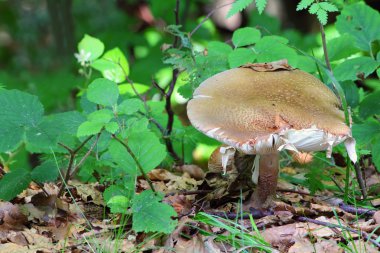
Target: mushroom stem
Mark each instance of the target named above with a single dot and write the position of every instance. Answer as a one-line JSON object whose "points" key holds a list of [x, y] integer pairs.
{"points": [[265, 191]]}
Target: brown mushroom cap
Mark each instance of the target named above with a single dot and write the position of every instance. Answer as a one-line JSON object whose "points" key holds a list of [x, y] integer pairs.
{"points": [[242, 107]]}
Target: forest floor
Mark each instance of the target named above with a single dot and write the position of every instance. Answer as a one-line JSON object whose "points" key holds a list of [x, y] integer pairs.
{"points": [[80, 222]]}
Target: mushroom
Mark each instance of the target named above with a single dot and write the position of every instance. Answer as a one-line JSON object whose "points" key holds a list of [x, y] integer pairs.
{"points": [[264, 108]]}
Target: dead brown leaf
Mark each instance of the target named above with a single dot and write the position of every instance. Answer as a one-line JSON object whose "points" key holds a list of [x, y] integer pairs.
{"points": [[11, 217]]}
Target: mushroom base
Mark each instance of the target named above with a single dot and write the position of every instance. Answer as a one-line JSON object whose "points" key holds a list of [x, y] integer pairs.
{"points": [[265, 191]]}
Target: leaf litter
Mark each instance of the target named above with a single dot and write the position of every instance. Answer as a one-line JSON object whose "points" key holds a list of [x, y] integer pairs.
{"points": [[80, 222]]}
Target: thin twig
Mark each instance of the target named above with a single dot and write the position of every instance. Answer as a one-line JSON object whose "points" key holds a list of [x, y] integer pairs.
{"points": [[129, 150], [207, 17], [85, 156], [73, 153], [331, 225]]}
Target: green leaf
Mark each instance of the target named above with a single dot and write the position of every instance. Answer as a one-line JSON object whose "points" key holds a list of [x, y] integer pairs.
{"points": [[146, 147], [118, 204], [150, 215], [351, 68], [89, 128], [322, 16], [46, 172], [113, 65], [370, 105], [376, 152], [112, 127], [102, 91], [314, 8], [238, 6], [341, 47], [274, 48], [101, 116], [216, 48], [260, 5], [245, 36], [366, 132], [304, 4], [241, 56], [19, 111], [329, 7], [114, 190], [130, 106], [126, 88], [362, 22], [13, 183], [91, 45]]}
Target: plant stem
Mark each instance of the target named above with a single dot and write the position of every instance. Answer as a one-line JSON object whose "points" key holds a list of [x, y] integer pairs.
{"points": [[129, 150]]}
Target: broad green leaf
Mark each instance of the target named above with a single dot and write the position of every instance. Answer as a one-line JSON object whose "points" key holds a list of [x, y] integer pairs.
{"points": [[103, 91], [118, 204], [145, 146], [13, 183], [238, 6], [351, 93], [351, 68], [19, 112], [114, 190], [91, 45], [46, 172], [126, 88], [217, 48], [376, 152], [341, 47], [370, 105], [89, 128], [362, 22], [112, 127], [274, 48], [151, 215], [366, 132], [245, 36], [130, 106], [241, 56], [113, 65], [101, 116]]}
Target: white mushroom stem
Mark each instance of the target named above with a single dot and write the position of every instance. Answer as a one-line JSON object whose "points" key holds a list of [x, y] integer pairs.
{"points": [[266, 186]]}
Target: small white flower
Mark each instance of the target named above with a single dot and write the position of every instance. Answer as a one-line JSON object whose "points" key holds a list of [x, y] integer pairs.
{"points": [[83, 57]]}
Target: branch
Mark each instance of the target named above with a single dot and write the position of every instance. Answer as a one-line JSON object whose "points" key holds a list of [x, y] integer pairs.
{"points": [[129, 150]]}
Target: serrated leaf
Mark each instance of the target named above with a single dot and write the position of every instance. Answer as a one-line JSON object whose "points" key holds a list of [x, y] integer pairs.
{"points": [[130, 106], [45, 172], [304, 4], [364, 133], [351, 68], [112, 127], [89, 128], [150, 215], [238, 6], [146, 147], [245, 36], [274, 48], [118, 204], [101, 116], [314, 8], [329, 7], [341, 47], [126, 88], [241, 56], [19, 111], [13, 183], [103, 91], [322, 16], [91, 45], [370, 105], [113, 65], [217, 48], [260, 5], [360, 21]]}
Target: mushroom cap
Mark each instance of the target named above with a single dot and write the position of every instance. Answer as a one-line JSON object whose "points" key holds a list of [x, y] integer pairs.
{"points": [[260, 112]]}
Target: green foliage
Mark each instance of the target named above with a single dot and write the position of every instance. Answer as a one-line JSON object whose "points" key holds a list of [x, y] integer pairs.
{"points": [[14, 183], [150, 215], [103, 91], [240, 5], [45, 172], [91, 45], [355, 68], [319, 8], [245, 36]]}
